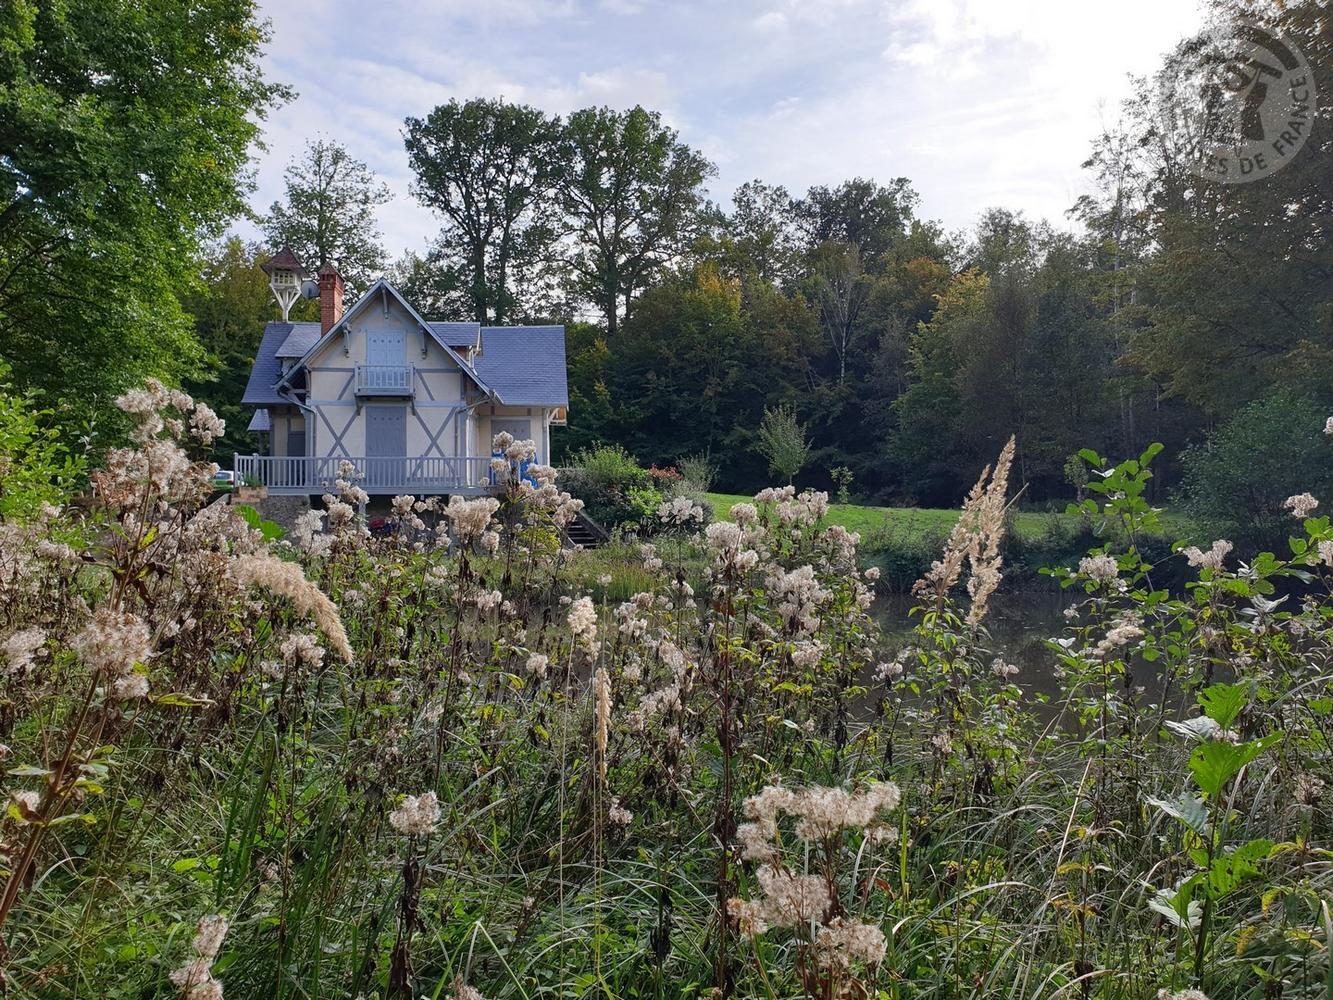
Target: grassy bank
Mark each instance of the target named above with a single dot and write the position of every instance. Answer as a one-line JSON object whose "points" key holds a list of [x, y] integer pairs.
{"points": [[903, 541], [917, 521]]}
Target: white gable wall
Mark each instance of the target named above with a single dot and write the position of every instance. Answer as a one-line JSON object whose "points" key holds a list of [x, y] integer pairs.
{"points": [[438, 427]]}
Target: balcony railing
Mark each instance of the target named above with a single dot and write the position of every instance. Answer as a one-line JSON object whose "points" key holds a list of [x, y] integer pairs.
{"points": [[310, 475], [384, 380]]}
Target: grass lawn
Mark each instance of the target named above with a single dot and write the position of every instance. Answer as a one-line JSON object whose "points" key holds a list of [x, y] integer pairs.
{"points": [[929, 522], [923, 521]]}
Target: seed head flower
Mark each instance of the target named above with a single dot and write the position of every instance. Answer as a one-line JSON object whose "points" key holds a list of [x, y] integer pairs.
{"points": [[416, 815], [1101, 568], [1212, 559], [1301, 505], [583, 623], [285, 579], [460, 990], [195, 979], [843, 942], [21, 649], [113, 641]]}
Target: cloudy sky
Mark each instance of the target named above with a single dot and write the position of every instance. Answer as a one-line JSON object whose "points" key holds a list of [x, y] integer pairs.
{"points": [[979, 102]]}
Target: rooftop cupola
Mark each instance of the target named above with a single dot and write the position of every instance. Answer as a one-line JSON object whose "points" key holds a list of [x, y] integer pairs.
{"points": [[286, 276]]}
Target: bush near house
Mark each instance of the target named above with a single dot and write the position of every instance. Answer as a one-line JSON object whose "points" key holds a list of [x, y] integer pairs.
{"points": [[621, 495]]}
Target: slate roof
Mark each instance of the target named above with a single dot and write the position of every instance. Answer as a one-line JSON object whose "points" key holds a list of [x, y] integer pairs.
{"points": [[260, 422], [456, 334], [259, 390], [525, 365], [301, 339]]}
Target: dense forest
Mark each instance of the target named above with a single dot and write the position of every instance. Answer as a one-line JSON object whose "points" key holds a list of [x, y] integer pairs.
{"points": [[1165, 308]]}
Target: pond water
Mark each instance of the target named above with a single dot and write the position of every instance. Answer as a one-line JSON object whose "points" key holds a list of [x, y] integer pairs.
{"points": [[1019, 624]]}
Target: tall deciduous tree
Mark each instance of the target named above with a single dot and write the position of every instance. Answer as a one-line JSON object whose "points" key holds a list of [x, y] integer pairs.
{"points": [[840, 288], [124, 131], [230, 306], [487, 167], [1232, 301], [760, 235], [873, 217], [631, 191], [328, 213]]}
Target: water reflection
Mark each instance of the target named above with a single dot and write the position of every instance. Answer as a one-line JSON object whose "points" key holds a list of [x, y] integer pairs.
{"points": [[1019, 625]]}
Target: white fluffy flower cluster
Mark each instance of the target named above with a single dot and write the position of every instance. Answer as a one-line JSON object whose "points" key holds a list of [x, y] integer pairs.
{"points": [[21, 649], [1182, 995], [205, 425], [538, 489], [618, 814], [886, 673], [805, 510], [728, 544], [111, 644], [820, 813], [1212, 559], [745, 514], [798, 596], [806, 654], [1301, 505], [785, 900], [195, 979], [1100, 568], [308, 531], [583, 624], [682, 512], [470, 518], [1122, 633], [843, 942], [416, 815], [301, 649]]}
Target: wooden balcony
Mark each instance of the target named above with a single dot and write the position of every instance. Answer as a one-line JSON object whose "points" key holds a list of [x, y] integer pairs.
{"points": [[312, 476], [384, 380]]}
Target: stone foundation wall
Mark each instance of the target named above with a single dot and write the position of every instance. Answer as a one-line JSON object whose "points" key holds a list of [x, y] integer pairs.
{"points": [[282, 511]]}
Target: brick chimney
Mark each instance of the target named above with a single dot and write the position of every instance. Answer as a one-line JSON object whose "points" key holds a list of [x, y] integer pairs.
{"points": [[330, 298]]}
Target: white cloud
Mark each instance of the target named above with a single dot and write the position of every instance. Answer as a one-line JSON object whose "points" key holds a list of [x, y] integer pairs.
{"points": [[979, 102]]}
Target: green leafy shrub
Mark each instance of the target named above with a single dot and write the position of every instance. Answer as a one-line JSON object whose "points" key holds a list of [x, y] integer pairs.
{"points": [[1270, 450], [36, 467]]}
